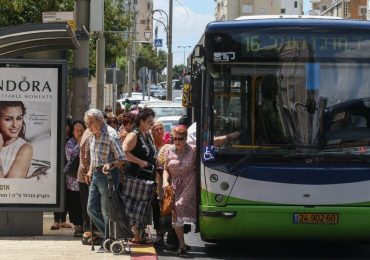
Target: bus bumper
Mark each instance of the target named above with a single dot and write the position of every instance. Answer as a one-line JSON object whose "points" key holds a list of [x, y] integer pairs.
{"points": [[259, 222]]}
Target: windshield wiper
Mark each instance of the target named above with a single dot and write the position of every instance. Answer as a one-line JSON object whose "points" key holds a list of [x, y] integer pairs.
{"points": [[243, 159]]}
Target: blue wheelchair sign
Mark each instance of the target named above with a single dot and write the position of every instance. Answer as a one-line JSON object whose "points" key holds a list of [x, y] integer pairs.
{"points": [[158, 42], [208, 153]]}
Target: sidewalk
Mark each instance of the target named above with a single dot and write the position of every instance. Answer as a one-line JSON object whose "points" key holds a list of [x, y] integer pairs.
{"points": [[60, 244]]}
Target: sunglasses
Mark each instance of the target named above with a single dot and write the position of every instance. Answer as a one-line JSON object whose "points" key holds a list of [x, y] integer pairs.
{"points": [[178, 138], [112, 122]]}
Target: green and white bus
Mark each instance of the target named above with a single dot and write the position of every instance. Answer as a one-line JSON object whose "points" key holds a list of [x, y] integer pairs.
{"points": [[298, 90]]}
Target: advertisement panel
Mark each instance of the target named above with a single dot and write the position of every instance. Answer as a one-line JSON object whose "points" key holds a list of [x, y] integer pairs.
{"points": [[30, 136]]}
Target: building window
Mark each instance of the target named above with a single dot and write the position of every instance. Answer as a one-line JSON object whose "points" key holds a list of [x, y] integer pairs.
{"points": [[295, 4], [323, 8], [282, 11]]}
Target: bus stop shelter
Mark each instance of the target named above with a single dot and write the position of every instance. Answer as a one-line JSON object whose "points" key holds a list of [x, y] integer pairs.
{"points": [[40, 42]]}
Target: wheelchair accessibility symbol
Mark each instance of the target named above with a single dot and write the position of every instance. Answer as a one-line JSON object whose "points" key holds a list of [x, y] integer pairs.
{"points": [[209, 153]]}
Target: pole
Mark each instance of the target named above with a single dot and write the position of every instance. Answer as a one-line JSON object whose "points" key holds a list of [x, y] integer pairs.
{"points": [[100, 67], [80, 71], [169, 55], [184, 47], [100, 64]]}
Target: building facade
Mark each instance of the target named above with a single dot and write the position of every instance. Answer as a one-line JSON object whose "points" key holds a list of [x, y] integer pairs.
{"points": [[346, 9], [231, 9]]}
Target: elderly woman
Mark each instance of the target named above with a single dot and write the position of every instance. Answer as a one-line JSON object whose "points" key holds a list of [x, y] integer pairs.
{"points": [[180, 173], [158, 134], [140, 154], [127, 125]]}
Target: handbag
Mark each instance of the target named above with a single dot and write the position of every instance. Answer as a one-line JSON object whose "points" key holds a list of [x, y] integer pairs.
{"points": [[71, 167], [133, 170], [168, 201]]}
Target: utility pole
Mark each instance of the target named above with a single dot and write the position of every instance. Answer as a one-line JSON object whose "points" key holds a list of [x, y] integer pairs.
{"points": [[169, 55], [80, 71], [100, 70], [100, 64]]}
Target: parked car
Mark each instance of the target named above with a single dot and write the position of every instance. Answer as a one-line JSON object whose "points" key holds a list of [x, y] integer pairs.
{"points": [[176, 84], [177, 100], [135, 99], [153, 89], [169, 122], [160, 93]]}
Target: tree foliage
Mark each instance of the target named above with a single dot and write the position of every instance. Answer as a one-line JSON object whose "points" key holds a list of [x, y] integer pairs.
{"points": [[150, 59], [178, 71], [17, 12]]}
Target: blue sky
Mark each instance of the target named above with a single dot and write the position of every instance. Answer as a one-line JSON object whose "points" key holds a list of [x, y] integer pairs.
{"points": [[190, 18]]}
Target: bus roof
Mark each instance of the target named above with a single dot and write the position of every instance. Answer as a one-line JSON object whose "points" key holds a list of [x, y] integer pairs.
{"points": [[250, 17], [276, 21]]}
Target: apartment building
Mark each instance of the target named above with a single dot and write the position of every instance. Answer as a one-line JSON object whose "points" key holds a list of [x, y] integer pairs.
{"points": [[231, 9], [142, 15], [346, 9]]}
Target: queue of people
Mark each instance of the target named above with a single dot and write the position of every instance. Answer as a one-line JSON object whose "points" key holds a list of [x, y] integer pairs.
{"points": [[132, 147]]}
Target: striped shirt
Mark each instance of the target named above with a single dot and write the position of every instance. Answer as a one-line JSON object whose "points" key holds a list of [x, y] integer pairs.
{"points": [[105, 148]]}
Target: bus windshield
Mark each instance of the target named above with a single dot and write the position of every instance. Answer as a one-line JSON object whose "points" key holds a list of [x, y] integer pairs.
{"points": [[322, 105]]}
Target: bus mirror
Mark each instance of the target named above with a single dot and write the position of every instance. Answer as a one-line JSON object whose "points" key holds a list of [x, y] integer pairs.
{"points": [[198, 51]]}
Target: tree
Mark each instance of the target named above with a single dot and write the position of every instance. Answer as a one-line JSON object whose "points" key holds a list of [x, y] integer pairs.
{"points": [[178, 71], [17, 12]]}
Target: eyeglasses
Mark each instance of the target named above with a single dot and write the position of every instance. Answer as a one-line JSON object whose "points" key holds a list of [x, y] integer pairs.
{"points": [[178, 138], [112, 122]]}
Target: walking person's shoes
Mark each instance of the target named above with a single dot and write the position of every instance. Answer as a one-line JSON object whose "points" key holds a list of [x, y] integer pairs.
{"points": [[78, 232], [100, 250], [159, 241], [87, 240]]}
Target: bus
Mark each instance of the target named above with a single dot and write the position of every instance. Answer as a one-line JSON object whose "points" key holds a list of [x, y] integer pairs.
{"points": [[298, 91]]}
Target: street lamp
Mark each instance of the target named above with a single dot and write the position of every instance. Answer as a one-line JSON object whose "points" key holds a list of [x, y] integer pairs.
{"points": [[168, 29], [184, 47]]}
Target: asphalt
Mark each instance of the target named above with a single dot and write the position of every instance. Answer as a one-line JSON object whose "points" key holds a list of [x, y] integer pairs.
{"points": [[61, 244]]}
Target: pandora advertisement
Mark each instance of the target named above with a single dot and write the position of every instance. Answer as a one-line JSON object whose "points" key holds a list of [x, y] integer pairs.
{"points": [[28, 135]]}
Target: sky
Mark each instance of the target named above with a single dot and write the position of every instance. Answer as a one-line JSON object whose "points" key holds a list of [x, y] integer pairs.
{"points": [[190, 18]]}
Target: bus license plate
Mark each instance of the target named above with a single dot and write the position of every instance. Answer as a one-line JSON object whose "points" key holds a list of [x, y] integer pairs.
{"points": [[315, 218]]}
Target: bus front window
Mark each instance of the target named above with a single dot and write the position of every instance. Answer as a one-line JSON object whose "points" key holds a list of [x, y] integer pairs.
{"points": [[291, 104]]}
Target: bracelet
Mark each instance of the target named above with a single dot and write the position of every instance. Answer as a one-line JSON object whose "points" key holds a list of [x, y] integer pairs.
{"points": [[227, 137]]}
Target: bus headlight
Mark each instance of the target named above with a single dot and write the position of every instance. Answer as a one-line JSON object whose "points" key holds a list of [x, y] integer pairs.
{"points": [[224, 185], [219, 197], [213, 178]]}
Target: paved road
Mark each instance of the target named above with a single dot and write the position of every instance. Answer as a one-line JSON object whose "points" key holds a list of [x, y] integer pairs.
{"points": [[269, 250]]}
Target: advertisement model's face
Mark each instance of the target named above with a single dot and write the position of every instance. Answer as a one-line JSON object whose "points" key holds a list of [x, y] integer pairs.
{"points": [[11, 122]]}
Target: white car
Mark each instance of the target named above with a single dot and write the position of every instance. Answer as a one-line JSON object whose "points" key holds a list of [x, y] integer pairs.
{"points": [[135, 99], [167, 109], [169, 122]]}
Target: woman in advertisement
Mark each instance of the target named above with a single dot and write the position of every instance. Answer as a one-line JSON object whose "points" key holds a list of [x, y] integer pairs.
{"points": [[15, 152]]}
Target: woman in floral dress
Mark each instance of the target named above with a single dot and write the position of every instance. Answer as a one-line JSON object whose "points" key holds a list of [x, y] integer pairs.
{"points": [[180, 173]]}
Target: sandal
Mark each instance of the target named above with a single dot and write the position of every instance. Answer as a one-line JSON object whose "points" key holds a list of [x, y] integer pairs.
{"points": [[65, 225], [181, 251], [55, 226]]}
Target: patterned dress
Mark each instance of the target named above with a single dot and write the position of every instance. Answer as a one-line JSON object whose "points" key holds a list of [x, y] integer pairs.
{"points": [[72, 149], [183, 179]]}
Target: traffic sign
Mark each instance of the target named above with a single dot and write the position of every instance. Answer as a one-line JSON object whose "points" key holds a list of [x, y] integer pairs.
{"points": [[158, 42]]}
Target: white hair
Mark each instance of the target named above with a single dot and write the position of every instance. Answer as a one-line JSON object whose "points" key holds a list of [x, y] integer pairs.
{"points": [[96, 113]]}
